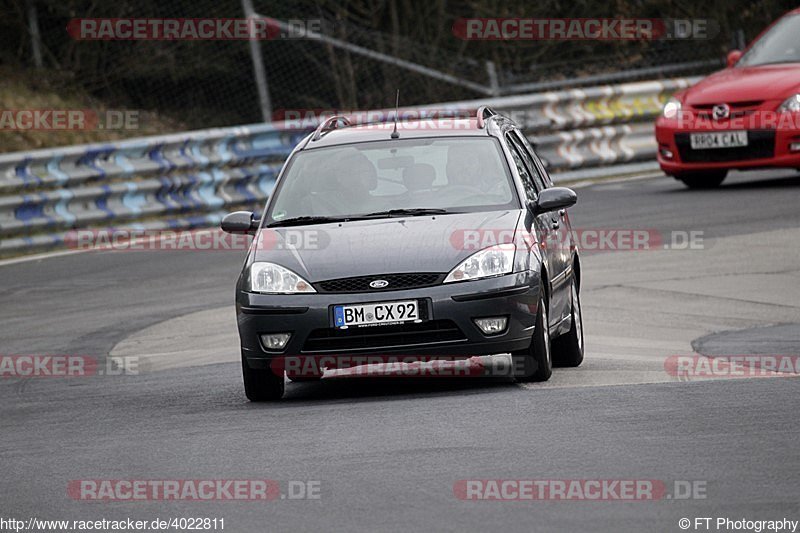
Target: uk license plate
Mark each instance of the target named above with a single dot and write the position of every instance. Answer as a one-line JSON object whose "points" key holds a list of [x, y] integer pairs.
{"points": [[725, 139], [376, 314]]}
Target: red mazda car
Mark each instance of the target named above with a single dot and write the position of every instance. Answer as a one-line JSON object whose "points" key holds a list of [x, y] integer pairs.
{"points": [[746, 116]]}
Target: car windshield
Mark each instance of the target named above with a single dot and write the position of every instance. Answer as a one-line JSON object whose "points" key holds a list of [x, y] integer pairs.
{"points": [[779, 45], [394, 177]]}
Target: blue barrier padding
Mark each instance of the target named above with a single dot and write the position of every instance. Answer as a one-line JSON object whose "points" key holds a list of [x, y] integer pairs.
{"points": [[62, 206], [23, 171], [54, 169], [29, 209], [157, 155]]}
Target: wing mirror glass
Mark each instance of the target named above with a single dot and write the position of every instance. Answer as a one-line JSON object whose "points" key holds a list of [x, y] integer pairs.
{"points": [[239, 222], [553, 199]]}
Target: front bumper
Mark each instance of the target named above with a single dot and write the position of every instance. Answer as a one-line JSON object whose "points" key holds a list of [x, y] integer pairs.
{"points": [[308, 318], [773, 150]]}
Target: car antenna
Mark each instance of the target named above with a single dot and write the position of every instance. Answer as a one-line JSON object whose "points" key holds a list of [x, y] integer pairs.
{"points": [[396, 135]]}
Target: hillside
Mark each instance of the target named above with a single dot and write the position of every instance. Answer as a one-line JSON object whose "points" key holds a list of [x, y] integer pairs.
{"points": [[30, 92]]}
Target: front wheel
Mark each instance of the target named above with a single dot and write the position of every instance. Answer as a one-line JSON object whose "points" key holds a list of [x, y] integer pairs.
{"points": [[568, 348], [261, 385], [702, 180], [536, 363]]}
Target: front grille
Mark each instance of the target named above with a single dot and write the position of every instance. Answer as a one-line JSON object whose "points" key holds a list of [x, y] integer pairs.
{"points": [[734, 114], [732, 105], [396, 282], [737, 109], [760, 145], [382, 337]]}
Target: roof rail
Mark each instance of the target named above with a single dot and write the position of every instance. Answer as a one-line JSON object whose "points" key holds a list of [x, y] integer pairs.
{"points": [[483, 113], [329, 124]]}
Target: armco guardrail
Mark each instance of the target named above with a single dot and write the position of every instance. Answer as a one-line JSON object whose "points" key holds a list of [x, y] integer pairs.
{"points": [[191, 179], [588, 127], [174, 181]]}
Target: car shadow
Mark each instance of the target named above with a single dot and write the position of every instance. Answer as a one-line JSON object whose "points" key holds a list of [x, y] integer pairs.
{"points": [[766, 183], [742, 182], [390, 387]]}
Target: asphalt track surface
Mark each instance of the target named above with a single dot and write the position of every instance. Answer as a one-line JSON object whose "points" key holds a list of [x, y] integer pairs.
{"points": [[387, 453]]}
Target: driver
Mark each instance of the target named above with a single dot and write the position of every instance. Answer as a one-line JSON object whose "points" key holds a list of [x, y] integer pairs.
{"points": [[356, 176]]}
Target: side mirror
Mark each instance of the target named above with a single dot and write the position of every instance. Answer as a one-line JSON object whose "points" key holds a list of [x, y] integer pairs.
{"points": [[733, 57], [239, 222], [553, 199]]}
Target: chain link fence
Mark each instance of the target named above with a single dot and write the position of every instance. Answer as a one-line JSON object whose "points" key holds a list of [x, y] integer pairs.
{"points": [[199, 84]]}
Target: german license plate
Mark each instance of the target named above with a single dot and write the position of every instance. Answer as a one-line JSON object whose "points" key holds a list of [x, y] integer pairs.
{"points": [[376, 314], [724, 139]]}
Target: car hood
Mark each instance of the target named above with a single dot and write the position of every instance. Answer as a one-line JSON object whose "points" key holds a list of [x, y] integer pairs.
{"points": [[384, 246], [765, 82]]}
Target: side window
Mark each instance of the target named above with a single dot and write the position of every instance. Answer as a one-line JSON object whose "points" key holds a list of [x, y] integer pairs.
{"points": [[529, 150], [522, 168]]}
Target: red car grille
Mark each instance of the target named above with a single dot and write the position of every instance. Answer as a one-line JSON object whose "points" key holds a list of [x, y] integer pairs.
{"points": [[738, 109]]}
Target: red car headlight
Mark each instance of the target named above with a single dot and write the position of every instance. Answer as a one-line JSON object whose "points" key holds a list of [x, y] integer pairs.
{"points": [[790, 105]]}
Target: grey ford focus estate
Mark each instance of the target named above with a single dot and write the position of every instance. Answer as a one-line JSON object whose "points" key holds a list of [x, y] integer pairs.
{"points": [[413, 239]]}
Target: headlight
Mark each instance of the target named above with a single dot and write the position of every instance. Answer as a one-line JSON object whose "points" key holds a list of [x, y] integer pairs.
{"points": [[494, 261], [274, 279], [672, 108], [791, 105]]}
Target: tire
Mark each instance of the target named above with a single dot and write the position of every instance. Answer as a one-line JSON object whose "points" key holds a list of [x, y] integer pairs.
{"points": [[536, 363], [261, 385], [568, 349], [703, 180]]}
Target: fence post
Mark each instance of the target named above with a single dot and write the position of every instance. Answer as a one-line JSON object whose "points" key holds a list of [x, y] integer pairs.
{"points": [[494, 85], [36, 38], [258, 67]]}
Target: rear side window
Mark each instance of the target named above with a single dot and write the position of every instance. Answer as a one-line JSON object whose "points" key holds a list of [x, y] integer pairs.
{"points": [[531, 192], [529, 150], [533, 170]]}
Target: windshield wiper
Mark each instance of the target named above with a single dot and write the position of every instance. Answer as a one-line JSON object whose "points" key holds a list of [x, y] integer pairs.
{"points": [[301, 221], [408, 212], [304, 220]]}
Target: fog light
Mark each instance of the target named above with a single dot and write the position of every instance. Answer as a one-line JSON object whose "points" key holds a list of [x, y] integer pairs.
{"points": [[492, 325], [794, 147], [666, 153], [275, 342]]}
